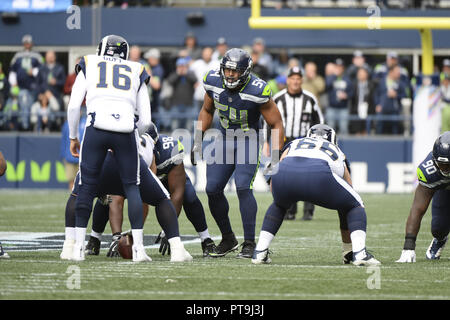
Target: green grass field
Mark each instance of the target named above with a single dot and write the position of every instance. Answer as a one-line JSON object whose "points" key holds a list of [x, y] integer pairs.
{"points": [[306, 259]]}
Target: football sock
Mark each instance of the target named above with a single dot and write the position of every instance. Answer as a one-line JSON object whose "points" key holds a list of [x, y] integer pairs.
{"points": [[357, 219], [195, 214], [248, 208], [138, 237], [70, 211], [96, 235], [80, 236], [218, 205], [358, 242], [100, 217], [273, 219], [70, 233], [204, 235], [135, 211], [264, 240], [167, 218], [175, 242]]}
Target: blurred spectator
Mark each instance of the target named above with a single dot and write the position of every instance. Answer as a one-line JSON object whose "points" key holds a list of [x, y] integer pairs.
{"points": [[277, 84], [362, 102], [200, 67], [135, 55], [221, 49], [445, 69], [11, 110], [265, 59], [293, 62], [392, 59], [183, 83], [43, 112], [389, 93], [313, 82], [67, 89], [52, 78], [445, 94], [258, 69], [156, 70], [4, 89], [191, 45], [358, 61], [340, 91], [280, 64], [70, 162], [23, 74]]}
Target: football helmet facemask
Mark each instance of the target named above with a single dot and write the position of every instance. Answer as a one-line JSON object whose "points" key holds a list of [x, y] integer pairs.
{"points": [[114, 46], [324, 132], [441, 154], [239, 60]]}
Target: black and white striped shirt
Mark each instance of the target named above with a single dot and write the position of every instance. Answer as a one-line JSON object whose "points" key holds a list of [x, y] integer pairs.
{"points": [[299, 112]]}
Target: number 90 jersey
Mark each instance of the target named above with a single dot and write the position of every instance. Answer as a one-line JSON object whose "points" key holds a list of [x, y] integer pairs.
{"points": [[237, 109], [429, 175], [319, 149], [112, 85]]}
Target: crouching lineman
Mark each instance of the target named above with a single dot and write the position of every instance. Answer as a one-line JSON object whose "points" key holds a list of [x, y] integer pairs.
{"points": [[310, 168], [151, 191], [434, 183], [168, 155]]}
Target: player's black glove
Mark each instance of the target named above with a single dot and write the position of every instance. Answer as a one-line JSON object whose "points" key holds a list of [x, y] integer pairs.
{"points": [[197, 146], [164, 246]]}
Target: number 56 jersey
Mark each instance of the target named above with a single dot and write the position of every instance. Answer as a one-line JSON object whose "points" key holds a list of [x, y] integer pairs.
{"points": [[237, 109], [319, 149], [112, 86]]}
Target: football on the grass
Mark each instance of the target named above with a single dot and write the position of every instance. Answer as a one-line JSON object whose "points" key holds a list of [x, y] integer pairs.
{"points": [[125, 246]]}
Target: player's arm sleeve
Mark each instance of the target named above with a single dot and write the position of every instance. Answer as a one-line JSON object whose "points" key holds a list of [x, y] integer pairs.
{"points": [[143, 110], [73, 109]]}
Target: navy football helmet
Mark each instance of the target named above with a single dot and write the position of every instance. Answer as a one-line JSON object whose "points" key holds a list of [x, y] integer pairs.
{"points": [[239, 60], [152, 131], [441, 153], [323, 131], [114, 46]]}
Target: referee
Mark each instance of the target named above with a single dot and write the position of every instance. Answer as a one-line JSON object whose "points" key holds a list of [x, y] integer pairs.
{"points": [[300, 111]]}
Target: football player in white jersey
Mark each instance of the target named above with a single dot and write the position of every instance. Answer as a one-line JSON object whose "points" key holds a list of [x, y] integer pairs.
{"points": [[116, 95], [313, 169]]}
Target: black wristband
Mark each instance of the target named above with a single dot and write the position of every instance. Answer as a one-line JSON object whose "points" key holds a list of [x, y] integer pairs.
{"points": [[410, 242]]}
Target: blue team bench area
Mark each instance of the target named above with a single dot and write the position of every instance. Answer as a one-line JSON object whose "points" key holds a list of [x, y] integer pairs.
{"points": [[378, 164]]}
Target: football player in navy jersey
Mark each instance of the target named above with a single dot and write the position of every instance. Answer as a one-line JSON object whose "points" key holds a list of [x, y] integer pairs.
{"points": [[434, 183], [309, 168], [240, 99]]}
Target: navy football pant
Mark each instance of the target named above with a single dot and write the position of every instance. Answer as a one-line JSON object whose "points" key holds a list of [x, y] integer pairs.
{"points": [[311, 180], [92, 155], [193, 207], [240, 157], [440, 214]]}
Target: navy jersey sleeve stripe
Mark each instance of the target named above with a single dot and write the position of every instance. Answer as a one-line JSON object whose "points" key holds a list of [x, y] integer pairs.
{"points": [[144, 77], [81, 66]]}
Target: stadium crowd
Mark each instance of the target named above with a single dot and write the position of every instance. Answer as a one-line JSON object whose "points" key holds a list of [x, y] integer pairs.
{"points": [[356, 98]]}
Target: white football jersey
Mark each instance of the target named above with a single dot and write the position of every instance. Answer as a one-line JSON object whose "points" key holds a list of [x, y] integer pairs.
{"points": [[317, 148], [112, 86], [146, 147]]}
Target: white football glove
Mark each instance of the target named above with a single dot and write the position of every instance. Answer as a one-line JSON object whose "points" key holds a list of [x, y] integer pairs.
{"points": [[407, 256]]}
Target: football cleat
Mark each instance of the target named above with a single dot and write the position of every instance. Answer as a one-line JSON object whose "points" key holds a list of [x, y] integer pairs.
{"points": [[347, 257], [67, 251], [113, 251], [92, 247], [3, 254], [208, 247], [247, 249], [227, 245], [180, 254], [367, 260], [260, 257], [139, 254], [435, 249], [78, 253]]}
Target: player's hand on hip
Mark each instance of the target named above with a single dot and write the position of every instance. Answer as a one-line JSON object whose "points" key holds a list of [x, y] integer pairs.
{"points": [[75, 147], [407, 256]]}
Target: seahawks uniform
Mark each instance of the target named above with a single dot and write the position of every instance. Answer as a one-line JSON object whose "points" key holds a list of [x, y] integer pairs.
{"points": [[239, 113], [169, 154], [430, 177]]}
